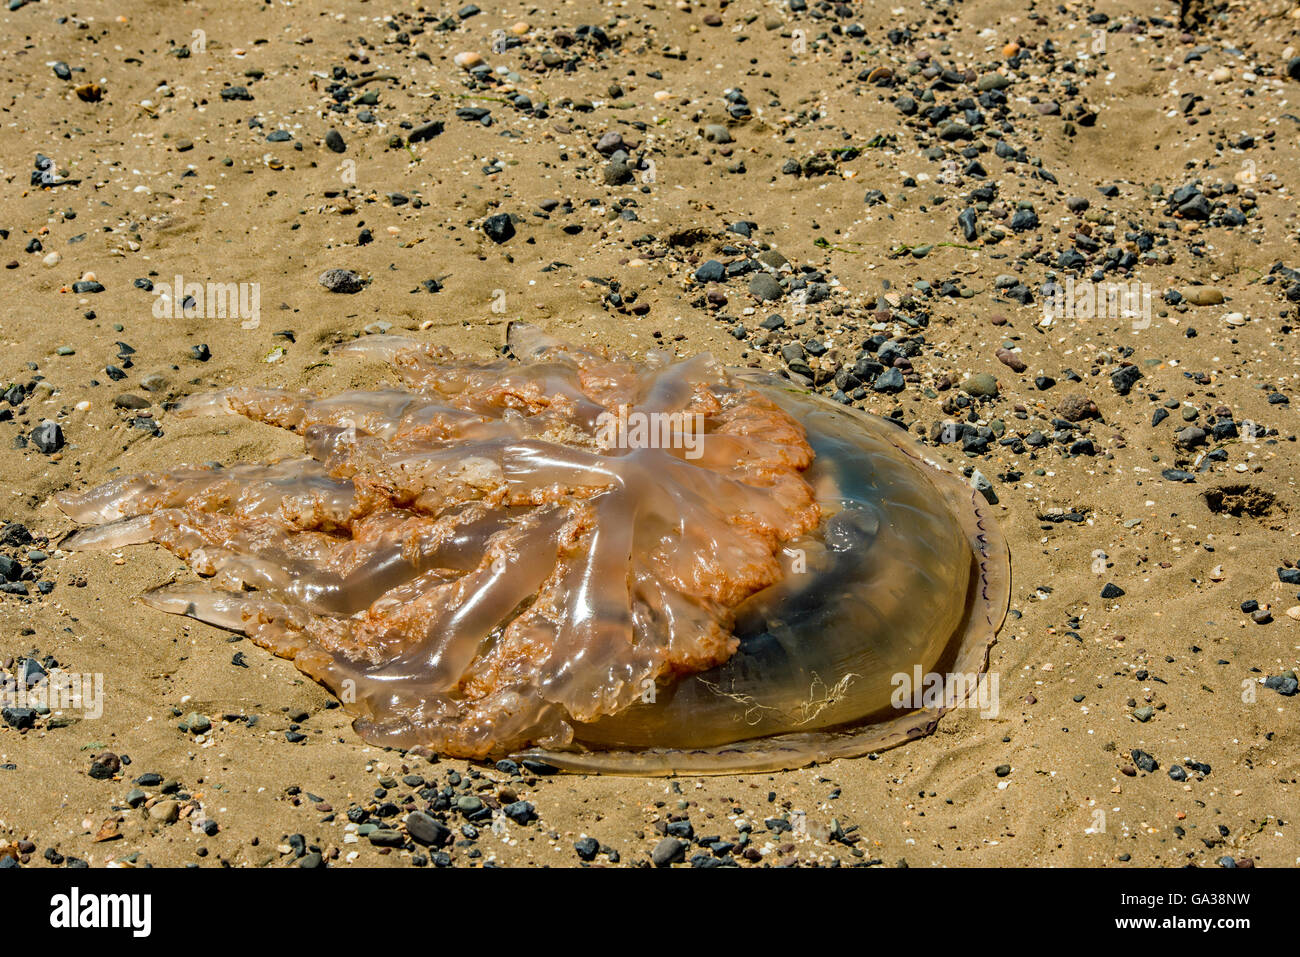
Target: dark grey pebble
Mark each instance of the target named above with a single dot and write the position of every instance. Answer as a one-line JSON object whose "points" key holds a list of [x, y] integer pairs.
{"points": [[427, 831], [1124, 378], [521, 812], [19, 719], [1144, 761], [425, 132], [710, 271], [499, 228], [889, 381], [765, 287], [668, 851], [341, 280], [48, 437], [1283, 685], [387, 837]]}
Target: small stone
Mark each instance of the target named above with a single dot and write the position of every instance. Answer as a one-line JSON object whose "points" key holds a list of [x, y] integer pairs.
{"points": [[499, 228], [668, 851], [1144, 761], [468, 804], [617, 173], [1203, 296], [1076, 407], [48, 437], [521, 812], [425, 131], [1011, 360], [334, 141], [387, 837], [426, 830], [165, 812], [982, 385], [341, 281], [1283, 684], [1123, 379], [992, 81], [765, 287], [889, 381], [20, 719], [609, 143], [710, 271], [105, 765]]}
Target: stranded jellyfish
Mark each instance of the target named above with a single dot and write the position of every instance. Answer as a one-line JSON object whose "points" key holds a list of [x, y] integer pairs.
{"points": [[630, 566]]}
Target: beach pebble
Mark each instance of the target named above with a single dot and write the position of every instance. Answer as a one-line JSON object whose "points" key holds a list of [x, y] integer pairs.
{"points": [[981, 385], [1144, 761], [499, 228], [165, 812], [668, 851], [342, 281], [47, 437], [426, 830], [1203, 296]]}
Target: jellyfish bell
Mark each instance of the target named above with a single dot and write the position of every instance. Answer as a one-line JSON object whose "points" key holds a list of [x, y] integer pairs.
{"points": [[644, 566]]}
